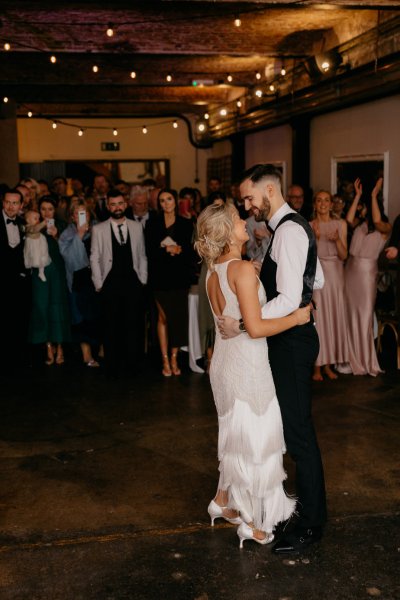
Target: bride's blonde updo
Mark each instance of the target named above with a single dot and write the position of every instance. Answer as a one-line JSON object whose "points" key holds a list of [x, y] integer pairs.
{"points": [[214, 230]]}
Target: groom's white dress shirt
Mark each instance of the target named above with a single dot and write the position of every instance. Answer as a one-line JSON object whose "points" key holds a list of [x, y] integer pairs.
{"points": [[289, 252]]}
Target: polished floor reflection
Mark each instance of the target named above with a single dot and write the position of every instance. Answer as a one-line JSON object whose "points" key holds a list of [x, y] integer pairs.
{"points": [[105, 486]]}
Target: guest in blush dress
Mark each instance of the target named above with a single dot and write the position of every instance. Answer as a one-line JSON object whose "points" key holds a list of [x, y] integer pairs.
{"points": [[330, 316], [361, 272]]}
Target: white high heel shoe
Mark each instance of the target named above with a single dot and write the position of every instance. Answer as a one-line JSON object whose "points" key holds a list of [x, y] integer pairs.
{"points": [[245, 532], [217, 512]]}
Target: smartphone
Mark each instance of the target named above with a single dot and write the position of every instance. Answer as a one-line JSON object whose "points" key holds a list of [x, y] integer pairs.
{"points": [[81, 217], [50, 223]]}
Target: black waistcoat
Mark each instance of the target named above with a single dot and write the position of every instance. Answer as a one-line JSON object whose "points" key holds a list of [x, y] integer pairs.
{"points": [[13, 260], [122, 266], [268, 269]]}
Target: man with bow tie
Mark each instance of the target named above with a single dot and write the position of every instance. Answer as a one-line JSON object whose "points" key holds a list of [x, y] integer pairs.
{"points": [[15, 304]]}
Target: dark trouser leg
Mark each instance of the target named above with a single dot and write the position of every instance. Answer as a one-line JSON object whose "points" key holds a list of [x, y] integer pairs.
{"points": [[123, 324], [112, 322], [15, 306], [292, 356], [134, 326]]}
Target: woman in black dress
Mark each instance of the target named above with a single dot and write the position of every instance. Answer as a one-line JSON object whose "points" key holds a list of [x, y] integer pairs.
{"points": [[171, 259]]}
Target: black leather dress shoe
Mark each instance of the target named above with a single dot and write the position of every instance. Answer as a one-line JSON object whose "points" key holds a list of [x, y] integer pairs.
{"points": [[297, 540]]}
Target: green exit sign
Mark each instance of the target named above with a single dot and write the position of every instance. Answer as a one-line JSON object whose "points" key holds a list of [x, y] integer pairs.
{"points": [[110, 146]]}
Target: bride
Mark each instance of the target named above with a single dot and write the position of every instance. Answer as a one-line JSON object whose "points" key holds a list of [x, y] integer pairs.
{"points": [[250, 441]]}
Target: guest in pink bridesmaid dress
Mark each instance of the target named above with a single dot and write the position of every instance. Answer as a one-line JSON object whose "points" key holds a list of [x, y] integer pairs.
{"points": [[330, 316], [361, 272]]}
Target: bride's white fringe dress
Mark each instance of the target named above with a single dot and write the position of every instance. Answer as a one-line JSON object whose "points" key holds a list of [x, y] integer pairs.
{"points": [[250, 440]]}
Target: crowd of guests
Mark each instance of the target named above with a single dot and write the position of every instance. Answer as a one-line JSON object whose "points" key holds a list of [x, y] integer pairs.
{"points": [[109, 269], [352, 233]]}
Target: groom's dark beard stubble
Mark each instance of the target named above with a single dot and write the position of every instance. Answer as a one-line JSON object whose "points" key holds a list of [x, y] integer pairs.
{"points": [[263, 211]]}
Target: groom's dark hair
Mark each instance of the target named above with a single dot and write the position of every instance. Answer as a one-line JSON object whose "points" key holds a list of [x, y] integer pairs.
{"points": [[259, 172]]}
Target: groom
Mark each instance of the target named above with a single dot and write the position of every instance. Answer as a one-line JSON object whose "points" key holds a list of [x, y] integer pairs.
{"points": [[289, 273]]}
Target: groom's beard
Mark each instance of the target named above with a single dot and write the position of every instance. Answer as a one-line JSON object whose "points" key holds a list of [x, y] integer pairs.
{"points": [[263, 211]]}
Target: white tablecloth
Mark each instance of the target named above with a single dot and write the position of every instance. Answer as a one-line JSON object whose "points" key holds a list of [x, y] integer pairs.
{"points": [[194, 347]]}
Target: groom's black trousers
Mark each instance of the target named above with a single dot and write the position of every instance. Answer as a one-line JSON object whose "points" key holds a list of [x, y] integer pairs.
{"points": [[292, 355]]}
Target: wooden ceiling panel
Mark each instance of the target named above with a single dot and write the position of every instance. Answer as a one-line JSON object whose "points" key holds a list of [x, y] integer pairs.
{"points": [[192, 40]]}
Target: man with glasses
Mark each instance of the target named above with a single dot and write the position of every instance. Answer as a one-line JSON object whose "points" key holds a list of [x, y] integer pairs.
{"points": [[295, 198]]}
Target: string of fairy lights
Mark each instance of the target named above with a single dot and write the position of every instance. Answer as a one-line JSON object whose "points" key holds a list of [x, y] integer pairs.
{"points": [[256, 91]]}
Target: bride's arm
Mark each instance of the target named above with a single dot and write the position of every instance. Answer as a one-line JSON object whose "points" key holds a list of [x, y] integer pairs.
{"points": [[246, 286]]}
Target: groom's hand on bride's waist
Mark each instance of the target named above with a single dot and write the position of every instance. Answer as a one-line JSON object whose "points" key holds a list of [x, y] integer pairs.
{"points": [[228, 327]]}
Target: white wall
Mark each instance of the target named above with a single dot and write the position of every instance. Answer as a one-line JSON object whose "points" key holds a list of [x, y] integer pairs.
{"points": [[37, 141], [372, 128], [221, 149], [271, 145]]}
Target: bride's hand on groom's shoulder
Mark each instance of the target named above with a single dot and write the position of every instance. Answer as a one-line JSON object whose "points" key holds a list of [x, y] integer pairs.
{"points": [[303, 315], [228, 327]]}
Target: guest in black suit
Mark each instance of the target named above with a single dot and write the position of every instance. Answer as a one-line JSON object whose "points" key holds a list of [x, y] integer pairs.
{"points": [[138, 209], [119, 271], [171, 267], [101, 187], [15, 298]]}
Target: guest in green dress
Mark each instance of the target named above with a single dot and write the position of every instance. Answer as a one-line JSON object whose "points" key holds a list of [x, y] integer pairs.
{"points": [[50, 319]]}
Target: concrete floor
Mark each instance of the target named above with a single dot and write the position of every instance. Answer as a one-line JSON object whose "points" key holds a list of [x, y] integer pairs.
{"points": [[105, 486]]}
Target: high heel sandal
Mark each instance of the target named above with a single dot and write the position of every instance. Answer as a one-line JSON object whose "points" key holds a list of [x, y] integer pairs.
{"points": [[166, 368], [60, 358], [174, 364], [245, 532], [217, 512], [50, 355]]}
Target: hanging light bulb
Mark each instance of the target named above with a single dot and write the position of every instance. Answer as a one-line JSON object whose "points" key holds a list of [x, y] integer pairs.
{"points": [[169, 77], [258, 75], [95, 69], [54, 125], [223, 112], [80, 132], [206, 116], [201, 127], [239, 104], [144, 129], [7, 46], [115, 131], [283, 71], [53, 59], [237, 22], [133, 74], [30, 114], [271, 87], [175, 124], [5, 99], [258, 93], [229, 78], [110, 30], [325, 66]]}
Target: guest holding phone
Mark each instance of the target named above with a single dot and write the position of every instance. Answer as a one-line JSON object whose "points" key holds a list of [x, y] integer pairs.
{"points": [[361, 274], [171, 261], [50, 319], [74, 246]]}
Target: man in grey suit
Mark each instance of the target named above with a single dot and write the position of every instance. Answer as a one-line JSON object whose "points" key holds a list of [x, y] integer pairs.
{"points": [[119, 272]]}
